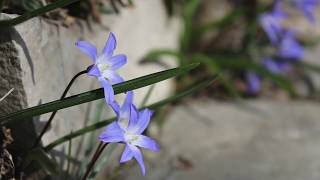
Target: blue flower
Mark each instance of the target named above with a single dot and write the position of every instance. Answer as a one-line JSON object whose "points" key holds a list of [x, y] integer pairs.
{"points": [[289, 47], [271, 22], [104, 66], [128, 129], [274, 66], [253, 82], [307, 7]]}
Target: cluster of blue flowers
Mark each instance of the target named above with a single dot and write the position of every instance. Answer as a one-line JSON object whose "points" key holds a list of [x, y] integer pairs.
{"points": [[131, 122], [284, 39]]}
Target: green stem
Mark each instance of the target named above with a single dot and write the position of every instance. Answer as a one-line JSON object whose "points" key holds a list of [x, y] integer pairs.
{"points": [[35, 13], [47, 125], [154, 106], [95, 94]]}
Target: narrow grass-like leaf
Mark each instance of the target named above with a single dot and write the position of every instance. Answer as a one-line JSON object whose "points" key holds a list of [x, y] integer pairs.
{"points": [[188, 11], [43, 160], [214, 67], [280, 80], [154, 106], [147, 96], [308, 66], [96, 94], [218, 24], [1, 5], [154, 55], [35, 13], [68, 159]]}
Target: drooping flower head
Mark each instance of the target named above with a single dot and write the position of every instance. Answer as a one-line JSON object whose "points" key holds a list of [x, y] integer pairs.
{"points": [[271, 22], [128, 129], [307, 7], [104, 66]]}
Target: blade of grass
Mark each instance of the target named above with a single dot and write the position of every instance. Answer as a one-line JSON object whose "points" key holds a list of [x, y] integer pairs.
{"points": [[96, 94], [280, 80], [188, 11], [37, 12], [68, 159], [308, 66], [215, 68], [238, 63], [154, 106], [212, 65], [224, 21], [147, 96], [154, 55], [1, 5]]}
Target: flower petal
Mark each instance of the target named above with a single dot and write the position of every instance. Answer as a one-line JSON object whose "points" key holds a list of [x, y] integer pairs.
{"points": [[127, 103], [88, 49], [271, 65], [112, 76], [146, 142], [108, 91], [138, 156], [253, 82], [127, 155], [133, 120], [94, 71], [110, 46], [117, 61], [112, 133], [290, 47], [143, 121]]}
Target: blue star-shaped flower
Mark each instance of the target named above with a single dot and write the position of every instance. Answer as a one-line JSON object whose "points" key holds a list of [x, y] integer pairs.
{"points": [[128, 129], [307, 7], [105, 65], [289, 47], [271, 22]]}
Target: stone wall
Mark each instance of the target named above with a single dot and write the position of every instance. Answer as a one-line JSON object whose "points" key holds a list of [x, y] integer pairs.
{"points": [[38, 58]]}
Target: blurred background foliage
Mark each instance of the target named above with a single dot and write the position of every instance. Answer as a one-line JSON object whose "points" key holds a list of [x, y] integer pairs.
{"points": [[232, 45]]}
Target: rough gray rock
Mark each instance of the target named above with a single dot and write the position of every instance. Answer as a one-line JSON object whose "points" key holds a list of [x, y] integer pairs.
{"points": [[254, 140]]}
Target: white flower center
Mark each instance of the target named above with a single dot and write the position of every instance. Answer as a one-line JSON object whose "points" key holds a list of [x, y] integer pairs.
{"points": [[130, 138], [102, 67]]}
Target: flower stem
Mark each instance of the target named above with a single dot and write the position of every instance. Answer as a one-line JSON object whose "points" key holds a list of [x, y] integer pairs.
{"points": [[94, 159], [47, 125]]}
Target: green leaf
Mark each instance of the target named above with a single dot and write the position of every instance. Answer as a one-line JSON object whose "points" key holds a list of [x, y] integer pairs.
{"points": [[28, 5], [147, 96], [38, 12], [218, 24], [308, 66], [43, 160], [214, 67], [96, 94], [188, 12], [154, 106], [237, 63]]}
